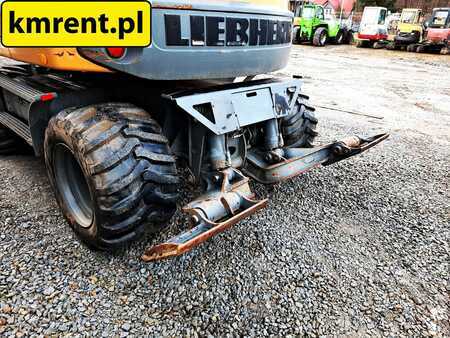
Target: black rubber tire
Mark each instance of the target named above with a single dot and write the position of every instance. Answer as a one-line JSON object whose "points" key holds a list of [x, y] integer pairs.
{"points": [[318, 39], [126, 164], [348, 38], [299, 128], [9, 142], [296, 36], [339, 39], [421, 49], [378, 45]]}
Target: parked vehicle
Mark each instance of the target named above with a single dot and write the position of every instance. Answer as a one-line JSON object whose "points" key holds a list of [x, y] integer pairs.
{"points": [[437, 36], [373, 27], [115, 123], [410, 29], [310, 25]]}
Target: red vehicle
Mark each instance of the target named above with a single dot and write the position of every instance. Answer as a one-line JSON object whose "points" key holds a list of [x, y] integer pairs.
{"points": [[437, 36]]}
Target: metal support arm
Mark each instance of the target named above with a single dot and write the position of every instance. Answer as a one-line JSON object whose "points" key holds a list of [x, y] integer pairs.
{"points": [[295, 161]]}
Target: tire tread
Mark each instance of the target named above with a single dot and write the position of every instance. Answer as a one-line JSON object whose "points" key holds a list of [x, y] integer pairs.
{"points": [[299, 128], [132, 171]]}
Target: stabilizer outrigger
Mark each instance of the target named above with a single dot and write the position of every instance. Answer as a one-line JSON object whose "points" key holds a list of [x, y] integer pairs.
{"points": [[228, 198]]}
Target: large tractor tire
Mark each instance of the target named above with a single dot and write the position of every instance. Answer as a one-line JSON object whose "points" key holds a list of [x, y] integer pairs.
{"points": [[9, 142], [299, 128], [339, 39], [112, 172], [320, 37], [349, 38]]}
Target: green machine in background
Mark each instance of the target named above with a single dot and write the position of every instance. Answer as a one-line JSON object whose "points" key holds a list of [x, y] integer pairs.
{"points": [[311, 26]]}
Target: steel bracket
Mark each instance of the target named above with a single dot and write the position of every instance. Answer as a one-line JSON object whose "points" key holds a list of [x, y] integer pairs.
{"points": [[227, 108], [228, 199]]}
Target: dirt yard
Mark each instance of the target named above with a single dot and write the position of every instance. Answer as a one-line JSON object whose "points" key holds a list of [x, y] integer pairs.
{"points": [[359, 248]]}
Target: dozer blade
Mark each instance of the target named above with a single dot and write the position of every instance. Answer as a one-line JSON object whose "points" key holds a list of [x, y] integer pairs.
{"points": [[211, 214], [291, 162]]}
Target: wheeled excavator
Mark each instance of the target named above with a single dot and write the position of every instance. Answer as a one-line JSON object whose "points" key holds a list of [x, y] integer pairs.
{"points": [[115, 125]]}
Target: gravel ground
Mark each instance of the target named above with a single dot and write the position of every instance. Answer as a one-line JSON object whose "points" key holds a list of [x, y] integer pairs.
{"points": [[359, 248]]}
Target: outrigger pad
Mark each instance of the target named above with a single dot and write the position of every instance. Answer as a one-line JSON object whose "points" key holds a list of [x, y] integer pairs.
{"points": [[212, 213]]}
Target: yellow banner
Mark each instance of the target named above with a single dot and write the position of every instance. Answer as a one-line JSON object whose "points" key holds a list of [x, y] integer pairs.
{"points": [[75, 23]]}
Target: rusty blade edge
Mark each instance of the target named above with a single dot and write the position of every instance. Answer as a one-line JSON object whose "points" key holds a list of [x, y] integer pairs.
{"points": [[166, 250]]}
